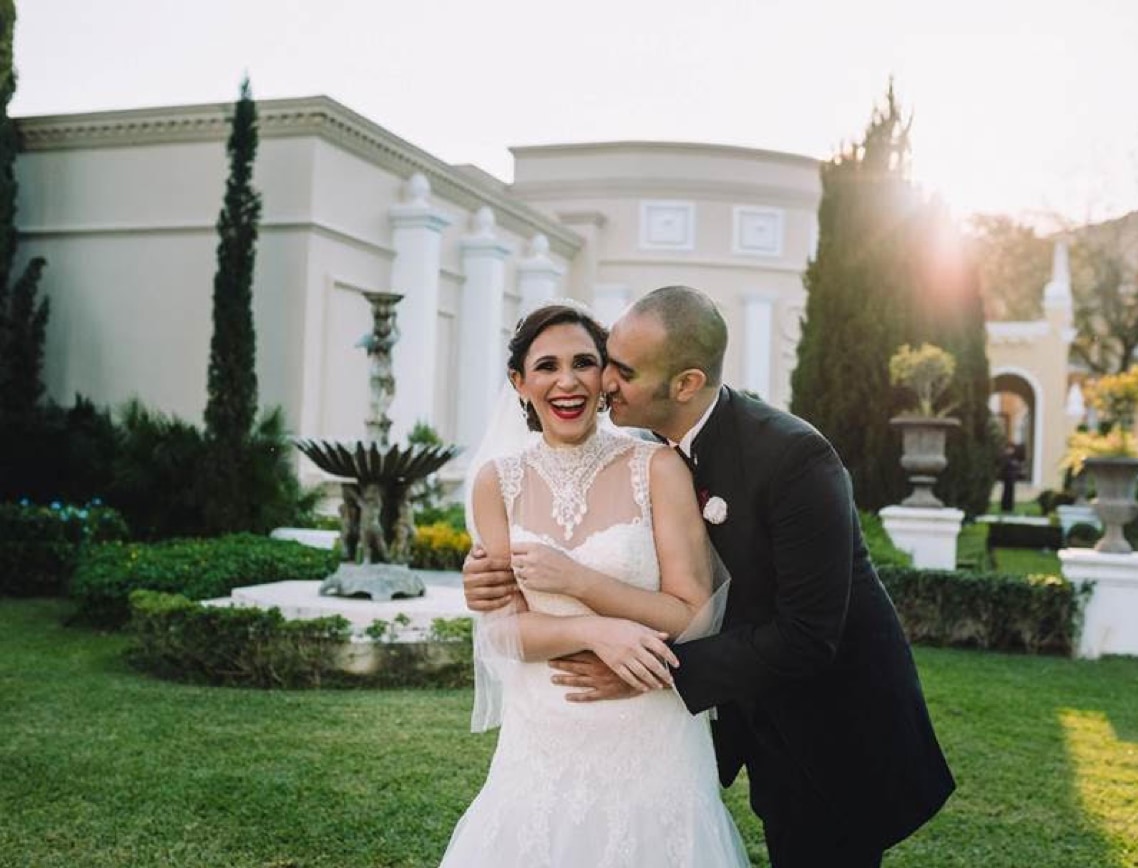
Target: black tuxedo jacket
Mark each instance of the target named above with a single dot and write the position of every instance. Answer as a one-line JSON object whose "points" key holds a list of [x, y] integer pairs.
{"points": [[817, 692]]}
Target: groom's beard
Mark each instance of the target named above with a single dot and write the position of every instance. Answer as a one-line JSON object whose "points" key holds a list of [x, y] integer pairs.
{"points": [[649, 418]]}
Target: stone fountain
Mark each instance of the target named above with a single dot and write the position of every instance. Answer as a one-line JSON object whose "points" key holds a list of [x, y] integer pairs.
{"points": [[376, 522]]}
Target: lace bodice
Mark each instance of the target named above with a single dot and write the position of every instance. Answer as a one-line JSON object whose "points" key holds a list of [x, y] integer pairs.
{"points": [[591, 502]]}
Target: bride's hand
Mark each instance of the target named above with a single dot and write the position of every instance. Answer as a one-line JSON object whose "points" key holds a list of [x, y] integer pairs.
{"points": [[543, 568], [637, 654]]}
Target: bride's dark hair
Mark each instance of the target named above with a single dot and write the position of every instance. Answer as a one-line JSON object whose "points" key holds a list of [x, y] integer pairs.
{"points": [[531, 326]]}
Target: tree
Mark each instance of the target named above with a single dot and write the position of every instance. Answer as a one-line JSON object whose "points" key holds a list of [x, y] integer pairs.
{"points": [[1014, 264], [1105, 289], [950, 313], [232, 403], [23, 315], [850, 324], [890, 269], [231, 407]]}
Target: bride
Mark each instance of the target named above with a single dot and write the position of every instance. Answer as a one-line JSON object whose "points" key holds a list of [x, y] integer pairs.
{"points": [[577, 785]]}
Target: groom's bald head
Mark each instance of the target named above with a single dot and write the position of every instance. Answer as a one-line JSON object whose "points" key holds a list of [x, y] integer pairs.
{"points": [[695, 335]]}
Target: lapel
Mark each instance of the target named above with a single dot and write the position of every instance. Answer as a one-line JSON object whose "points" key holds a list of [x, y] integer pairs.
{"points": [[716, 467], [709, 442], [717, 474]]}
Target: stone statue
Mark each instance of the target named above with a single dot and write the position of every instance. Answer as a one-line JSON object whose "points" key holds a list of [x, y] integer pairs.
{"points": [[349, 522]]}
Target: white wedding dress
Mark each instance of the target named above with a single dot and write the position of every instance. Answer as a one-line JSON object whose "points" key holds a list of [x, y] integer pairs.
{"points": [[627, 782]]}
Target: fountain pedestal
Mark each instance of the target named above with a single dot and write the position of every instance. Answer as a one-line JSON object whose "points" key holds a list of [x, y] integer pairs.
{"points": [[375, 581]]}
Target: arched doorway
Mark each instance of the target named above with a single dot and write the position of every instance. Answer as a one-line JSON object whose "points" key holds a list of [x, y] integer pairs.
{"points": [[1016, 405]]}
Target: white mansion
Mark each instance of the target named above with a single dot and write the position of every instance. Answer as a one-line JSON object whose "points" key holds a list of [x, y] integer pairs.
{"points": [[123, 206]]}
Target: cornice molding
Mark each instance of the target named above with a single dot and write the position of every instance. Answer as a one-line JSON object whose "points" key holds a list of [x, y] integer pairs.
{"points": [[203, 228], [750, 264], [318, 116], [667, 188], [704, 149], [583, 218]]}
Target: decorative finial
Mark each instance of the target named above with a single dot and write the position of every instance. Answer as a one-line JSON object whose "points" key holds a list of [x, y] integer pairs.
{"points": [[539, 246], [417, 189], [483, 221], [1057, 293]]}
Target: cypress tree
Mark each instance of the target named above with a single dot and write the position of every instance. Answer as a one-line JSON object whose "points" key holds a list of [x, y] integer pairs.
{"points": [[229, 489], [23, 315], [950, 313], [889, 270], [232, 403], [852, 319]]}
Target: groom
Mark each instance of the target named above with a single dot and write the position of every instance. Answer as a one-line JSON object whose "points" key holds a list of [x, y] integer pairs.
{"points": [[816, 690]]}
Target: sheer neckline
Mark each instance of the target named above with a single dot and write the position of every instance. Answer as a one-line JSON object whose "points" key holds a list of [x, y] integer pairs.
{"points": [[592, 443], [570, 470]]}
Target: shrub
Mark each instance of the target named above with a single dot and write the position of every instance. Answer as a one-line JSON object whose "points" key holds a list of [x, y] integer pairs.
{"points": [[198, 569], [179, 639], [168, 484], [64, 454], [183, 640], [444, 659], [453, 514], [1084, 536], [1049, 499], [1013, 535], [996, 611], [439, 547], [881, 549], [41, 545]]}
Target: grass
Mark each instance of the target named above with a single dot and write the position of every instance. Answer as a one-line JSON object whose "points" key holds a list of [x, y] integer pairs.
{"points": [[1026, 562], [100, 766], [972, 553]]}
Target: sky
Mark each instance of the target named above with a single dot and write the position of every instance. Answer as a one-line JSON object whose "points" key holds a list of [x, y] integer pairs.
{"points": [[1024, 107]]}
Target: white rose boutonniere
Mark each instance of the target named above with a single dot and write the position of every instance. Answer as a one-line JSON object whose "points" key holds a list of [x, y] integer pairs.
{"points": [[715, 510]]}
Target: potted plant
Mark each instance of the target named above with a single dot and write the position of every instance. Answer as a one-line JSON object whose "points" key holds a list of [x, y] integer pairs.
{"points": [[926, 371], [1110, 455]]}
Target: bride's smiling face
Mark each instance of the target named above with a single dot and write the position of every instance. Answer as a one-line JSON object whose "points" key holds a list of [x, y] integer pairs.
{"points": [[561, 377]]}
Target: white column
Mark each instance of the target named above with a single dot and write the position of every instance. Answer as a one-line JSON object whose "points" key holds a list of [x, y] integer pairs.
{"points": [[1110, 617], [417, 238], [481, 355], [927, 534], [539, 277], [758, 343], [610, 301]]}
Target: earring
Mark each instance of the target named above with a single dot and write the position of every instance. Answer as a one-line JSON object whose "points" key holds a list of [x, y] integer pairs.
{"points": [[603, 403], [526, 407]]}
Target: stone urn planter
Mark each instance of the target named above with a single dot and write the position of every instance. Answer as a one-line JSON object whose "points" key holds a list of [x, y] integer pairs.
{"points": [[923, 440], [1115, 480]]}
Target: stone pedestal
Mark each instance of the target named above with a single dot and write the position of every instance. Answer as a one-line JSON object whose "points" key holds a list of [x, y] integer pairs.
{"points": [[317, 539], [1110, 616], [374, 581], [1073, 514], [927, 533]]}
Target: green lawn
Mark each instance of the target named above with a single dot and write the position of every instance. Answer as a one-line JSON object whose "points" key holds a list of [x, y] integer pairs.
{"points": [[102, 767], [972, 553]]}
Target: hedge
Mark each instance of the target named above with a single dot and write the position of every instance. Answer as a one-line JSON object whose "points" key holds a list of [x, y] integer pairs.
{"points": [[40, 546], [1014, 535], [184, 640], [199, 569], [995, 611]]}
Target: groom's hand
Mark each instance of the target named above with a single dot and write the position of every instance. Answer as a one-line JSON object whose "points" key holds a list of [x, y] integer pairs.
{"points": [[595, 680], [487, 583]]}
